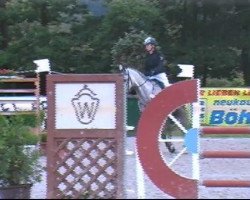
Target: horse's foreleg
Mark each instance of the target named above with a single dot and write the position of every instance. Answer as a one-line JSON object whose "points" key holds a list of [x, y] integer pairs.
{"points": [[167, 134], [170, 147]]}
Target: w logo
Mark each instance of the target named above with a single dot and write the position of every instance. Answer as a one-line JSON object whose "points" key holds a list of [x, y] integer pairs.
{"points": [[85, 105]]}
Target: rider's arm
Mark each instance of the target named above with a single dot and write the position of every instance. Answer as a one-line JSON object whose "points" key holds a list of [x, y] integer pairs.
{"points": [[154, 64], [158, 64]]}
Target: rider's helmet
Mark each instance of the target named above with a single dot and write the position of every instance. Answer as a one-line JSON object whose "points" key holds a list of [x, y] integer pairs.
{"points": [[150, 40]]}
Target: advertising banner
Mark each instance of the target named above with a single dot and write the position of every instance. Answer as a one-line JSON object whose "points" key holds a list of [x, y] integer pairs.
{"points": [[225, 106]]}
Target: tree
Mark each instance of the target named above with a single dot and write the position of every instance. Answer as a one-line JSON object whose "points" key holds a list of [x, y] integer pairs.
{"points": [[129, 50], [3, 26], [122, 18], [204, 38], [213, 35], [45, 29]]}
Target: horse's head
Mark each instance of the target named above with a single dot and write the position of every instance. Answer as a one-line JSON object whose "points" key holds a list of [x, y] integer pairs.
{"points": [[127, 77], [138, 82]]}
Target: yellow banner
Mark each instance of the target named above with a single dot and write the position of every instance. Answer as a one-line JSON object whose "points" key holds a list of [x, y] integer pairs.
{"points": [[225, 106]]}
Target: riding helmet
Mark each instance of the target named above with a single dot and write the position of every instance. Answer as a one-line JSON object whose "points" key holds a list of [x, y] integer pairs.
{"points": [[150, 40]]}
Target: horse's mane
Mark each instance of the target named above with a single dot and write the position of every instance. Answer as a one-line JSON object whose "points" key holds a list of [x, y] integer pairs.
{"points": [[140, 73]]}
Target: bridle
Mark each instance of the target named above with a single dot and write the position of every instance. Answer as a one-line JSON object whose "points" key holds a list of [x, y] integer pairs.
{"points": [[124, 69], [143, 93]]}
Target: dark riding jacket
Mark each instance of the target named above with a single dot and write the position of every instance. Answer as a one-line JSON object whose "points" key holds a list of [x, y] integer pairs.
{"points": [[154, 64]]}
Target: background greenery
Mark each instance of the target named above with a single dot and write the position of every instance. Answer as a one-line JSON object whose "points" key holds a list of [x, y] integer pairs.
{"points": [[212, 35], [19, 164]]}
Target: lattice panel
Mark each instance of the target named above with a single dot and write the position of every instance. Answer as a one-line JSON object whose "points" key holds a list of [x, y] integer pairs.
{"points": [[86, 168], [85, 157]]}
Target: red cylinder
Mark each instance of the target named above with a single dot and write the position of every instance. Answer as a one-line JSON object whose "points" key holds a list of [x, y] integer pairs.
{"points": [[226, 183], [207, 130], [225, 154]]}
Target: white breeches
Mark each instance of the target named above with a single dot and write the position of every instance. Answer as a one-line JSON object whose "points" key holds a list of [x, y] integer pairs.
{"points": [[162, 77]]}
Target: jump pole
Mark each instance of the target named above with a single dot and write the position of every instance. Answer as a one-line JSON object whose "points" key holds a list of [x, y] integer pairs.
{"points": [[225, 154]]}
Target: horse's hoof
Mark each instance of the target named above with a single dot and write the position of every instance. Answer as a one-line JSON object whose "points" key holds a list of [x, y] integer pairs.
{"points": [[170, 147]]}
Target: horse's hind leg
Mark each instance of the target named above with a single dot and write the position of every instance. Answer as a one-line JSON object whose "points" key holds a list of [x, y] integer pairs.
{"points": [[171, 128], [184, 116], [180, 126]]}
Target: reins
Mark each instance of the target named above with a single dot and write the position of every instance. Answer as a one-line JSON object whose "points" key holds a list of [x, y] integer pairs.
{"points": [[129, 79], [138, 82]]}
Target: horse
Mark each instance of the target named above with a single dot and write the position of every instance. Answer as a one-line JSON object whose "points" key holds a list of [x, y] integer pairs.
{"points": [[146, 89]]}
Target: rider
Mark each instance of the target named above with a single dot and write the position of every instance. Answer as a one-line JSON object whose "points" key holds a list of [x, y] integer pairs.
{"points": [[154, 63]]}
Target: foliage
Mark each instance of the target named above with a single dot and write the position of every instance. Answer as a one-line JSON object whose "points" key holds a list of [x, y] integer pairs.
{"points": [[45, 29], [19, 164], [212, 35], [124, 15], [237, 81], [33, 119], [129, 50], [43, 137], [204, 24], [122, 18]]}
